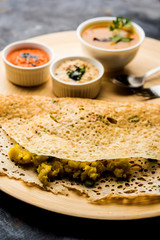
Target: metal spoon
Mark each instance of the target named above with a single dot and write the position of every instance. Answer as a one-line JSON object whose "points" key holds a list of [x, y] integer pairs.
{"points": [[131, 81]]}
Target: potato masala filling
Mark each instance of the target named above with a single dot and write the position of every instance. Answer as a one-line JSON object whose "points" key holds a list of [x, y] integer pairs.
{"points": [[50, 168]]}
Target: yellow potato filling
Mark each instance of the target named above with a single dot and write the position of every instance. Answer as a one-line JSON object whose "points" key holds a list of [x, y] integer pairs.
{"points": [[50, 168]]}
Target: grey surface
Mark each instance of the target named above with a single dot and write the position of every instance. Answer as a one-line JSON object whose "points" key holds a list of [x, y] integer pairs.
{"points": [[21, 19], [20, 221]]}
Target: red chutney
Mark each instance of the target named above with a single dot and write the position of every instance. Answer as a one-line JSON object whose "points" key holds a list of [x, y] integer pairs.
{"points": [[28, 57]]}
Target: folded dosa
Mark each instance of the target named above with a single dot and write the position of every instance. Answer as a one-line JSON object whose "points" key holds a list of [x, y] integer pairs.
{"points": [[84, 130]]}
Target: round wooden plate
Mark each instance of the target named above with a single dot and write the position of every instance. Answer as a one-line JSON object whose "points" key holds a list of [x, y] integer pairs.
{"points": [[64, 44]]}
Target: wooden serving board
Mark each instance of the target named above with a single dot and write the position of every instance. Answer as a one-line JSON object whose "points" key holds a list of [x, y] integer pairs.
{"points": [[64, 44]]}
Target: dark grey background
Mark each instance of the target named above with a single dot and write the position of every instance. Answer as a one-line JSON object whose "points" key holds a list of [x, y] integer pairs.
{"points": [[21, 19]]}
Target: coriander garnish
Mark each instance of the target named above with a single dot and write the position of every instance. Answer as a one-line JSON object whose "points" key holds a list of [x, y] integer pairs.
{"points": [[100, 116], [133, 119], [118, 37], [53, 118], [121, 23]]}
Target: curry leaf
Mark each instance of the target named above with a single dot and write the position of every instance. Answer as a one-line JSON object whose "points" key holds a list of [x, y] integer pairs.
{"points": [[27, 56], [77, 74]]}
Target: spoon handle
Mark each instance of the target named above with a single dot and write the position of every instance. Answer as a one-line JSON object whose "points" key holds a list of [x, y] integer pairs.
{"points": [[151, 72]]}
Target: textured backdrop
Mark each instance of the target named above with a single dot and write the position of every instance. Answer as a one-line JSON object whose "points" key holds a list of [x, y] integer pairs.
{"points": [[21, 19]]}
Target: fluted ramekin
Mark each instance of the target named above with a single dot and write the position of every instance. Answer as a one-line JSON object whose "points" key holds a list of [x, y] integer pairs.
{"points": [[27, 76], [88, 89]]}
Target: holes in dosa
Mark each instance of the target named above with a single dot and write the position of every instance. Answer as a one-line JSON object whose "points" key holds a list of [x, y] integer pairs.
{"points": [[145, 178]]}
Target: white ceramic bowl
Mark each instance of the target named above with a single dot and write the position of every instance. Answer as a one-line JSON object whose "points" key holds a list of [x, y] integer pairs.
{"points": [[66, 89], [27, 76], [115, 59]]}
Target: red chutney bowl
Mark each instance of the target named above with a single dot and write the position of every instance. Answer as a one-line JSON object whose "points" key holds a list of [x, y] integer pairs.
{"points": [[27, 63]]}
